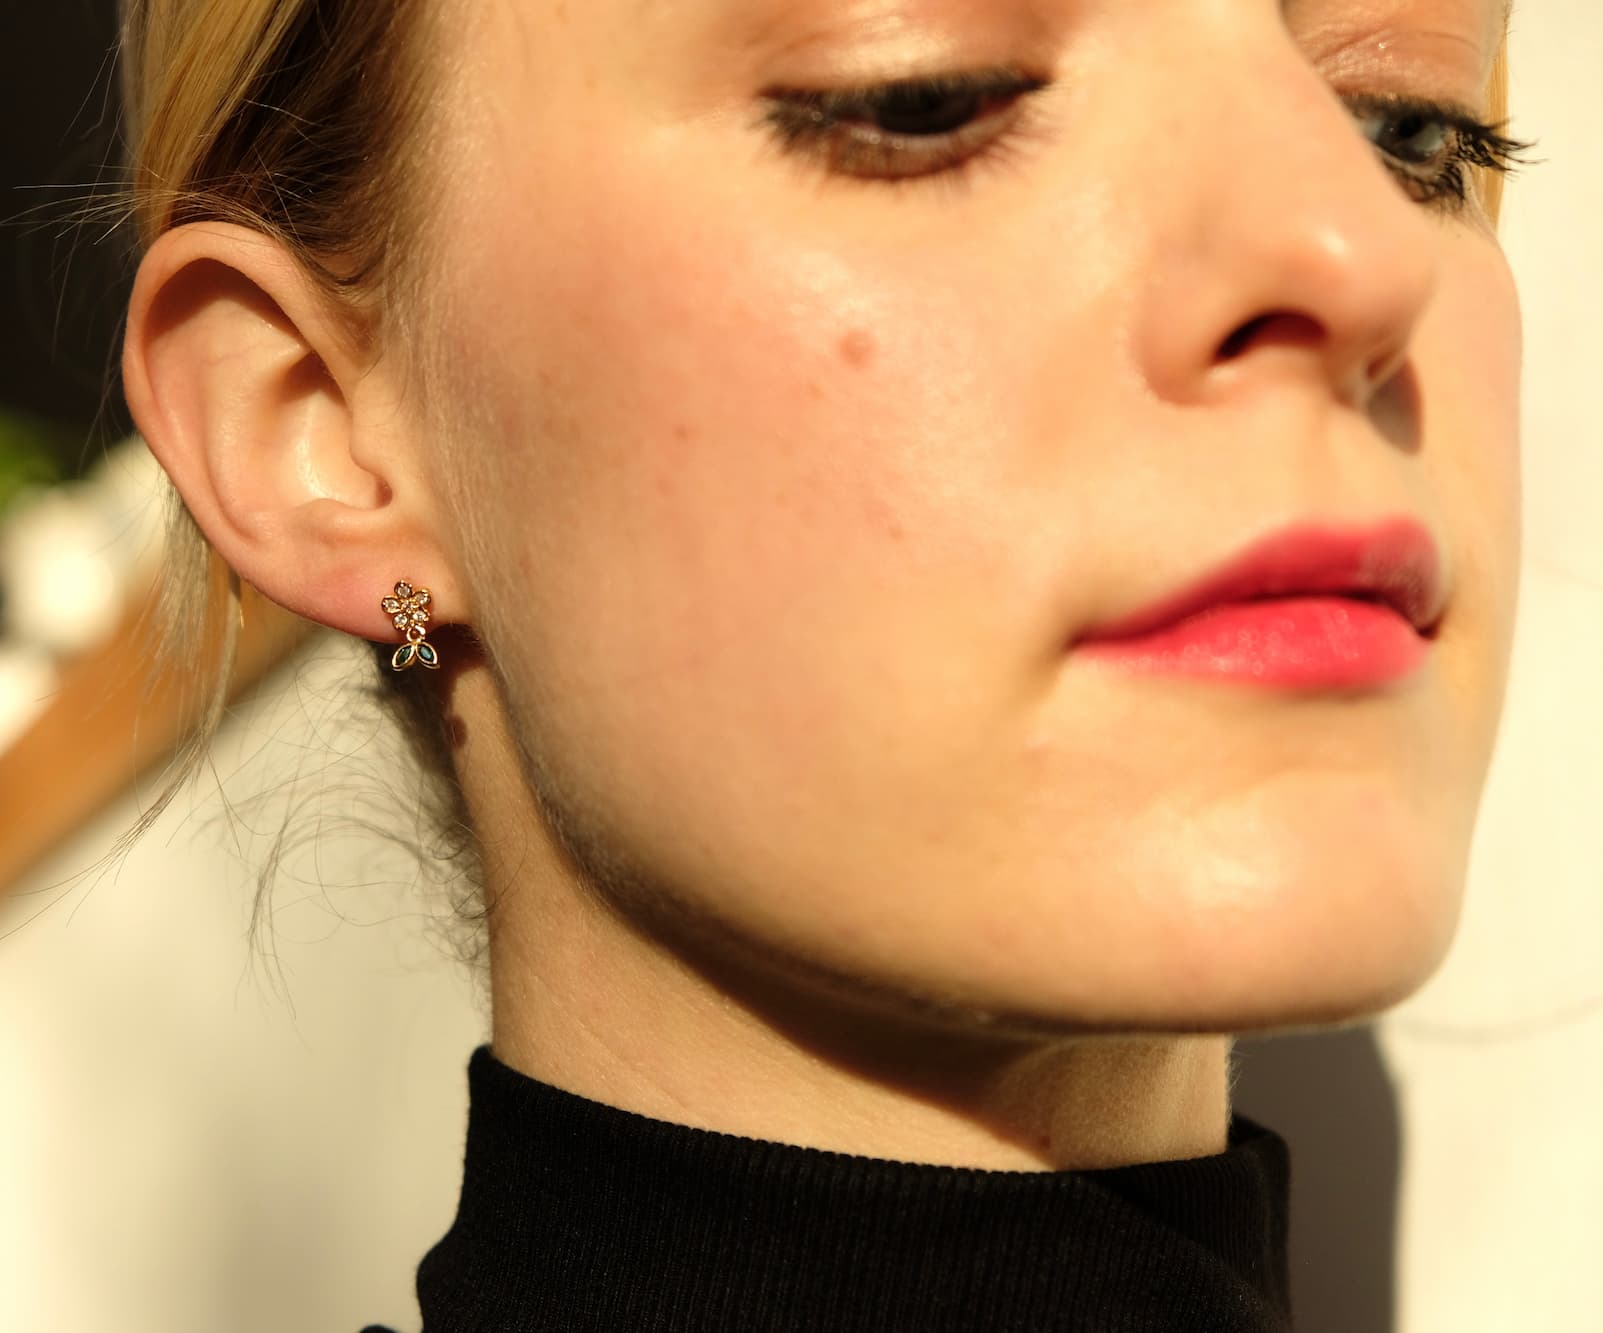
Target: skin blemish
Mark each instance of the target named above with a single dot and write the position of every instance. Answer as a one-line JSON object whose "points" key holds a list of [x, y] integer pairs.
{"points": [[857, 349]]}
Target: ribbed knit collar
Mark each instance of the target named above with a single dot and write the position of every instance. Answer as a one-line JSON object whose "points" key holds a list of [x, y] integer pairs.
{"points": [[579, 1216]]}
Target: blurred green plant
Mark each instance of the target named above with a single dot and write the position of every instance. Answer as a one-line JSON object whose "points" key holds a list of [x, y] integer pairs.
{"points": [[29, 448]]}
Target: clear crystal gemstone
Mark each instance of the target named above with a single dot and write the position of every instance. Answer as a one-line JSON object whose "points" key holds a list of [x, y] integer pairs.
{"points": [[403, 590], [392, 605]]}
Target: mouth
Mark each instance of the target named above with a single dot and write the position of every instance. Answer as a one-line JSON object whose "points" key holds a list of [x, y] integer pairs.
{"points": [[1394, 564], [1364, 595], [1308, 607]]}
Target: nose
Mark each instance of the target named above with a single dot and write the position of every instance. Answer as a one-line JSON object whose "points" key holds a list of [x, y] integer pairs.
{"points": [[1283, 248]]}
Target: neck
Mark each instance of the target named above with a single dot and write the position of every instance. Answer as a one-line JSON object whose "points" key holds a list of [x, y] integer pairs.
{"points": [[585, 1002]]}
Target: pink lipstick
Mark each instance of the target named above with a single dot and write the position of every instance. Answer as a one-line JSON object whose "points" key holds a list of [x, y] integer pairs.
{"points": [[1308, 607]]}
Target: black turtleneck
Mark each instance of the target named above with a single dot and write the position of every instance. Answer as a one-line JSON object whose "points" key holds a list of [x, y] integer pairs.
{"points": [[580, 1217]]}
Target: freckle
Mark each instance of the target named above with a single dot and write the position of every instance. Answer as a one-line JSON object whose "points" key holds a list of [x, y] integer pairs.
{"points": [[883, 517], [857, 348], [681, 432]]}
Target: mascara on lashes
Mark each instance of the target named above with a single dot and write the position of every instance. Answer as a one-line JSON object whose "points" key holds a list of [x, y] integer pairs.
{"points": [[809, 121]]}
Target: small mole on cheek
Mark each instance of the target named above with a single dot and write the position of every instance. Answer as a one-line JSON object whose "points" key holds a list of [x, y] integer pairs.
{"points": [[857, 348]]}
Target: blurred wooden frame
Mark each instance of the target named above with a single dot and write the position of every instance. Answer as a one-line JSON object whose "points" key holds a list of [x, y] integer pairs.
{"points": [[114, 717]]}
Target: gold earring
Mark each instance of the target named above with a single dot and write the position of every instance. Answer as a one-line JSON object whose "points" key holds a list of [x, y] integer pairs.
{"points": [[408, 610]]}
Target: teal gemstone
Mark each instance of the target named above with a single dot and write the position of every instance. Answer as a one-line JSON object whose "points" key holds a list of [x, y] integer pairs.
{"points": [[403, 656], [427, 655]]}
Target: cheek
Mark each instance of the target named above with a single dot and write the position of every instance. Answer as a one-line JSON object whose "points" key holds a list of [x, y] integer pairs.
{"points": [[731, 473]]}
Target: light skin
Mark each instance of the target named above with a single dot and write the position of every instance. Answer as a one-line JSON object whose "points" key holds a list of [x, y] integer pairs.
{"points": [[777, 496]]}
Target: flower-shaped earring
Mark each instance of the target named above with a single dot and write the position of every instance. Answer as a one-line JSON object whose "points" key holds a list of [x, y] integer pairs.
{"points": [[408, 610]]}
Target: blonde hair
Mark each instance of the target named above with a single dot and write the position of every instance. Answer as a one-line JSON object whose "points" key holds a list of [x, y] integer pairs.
{"points": [[291, 117]]}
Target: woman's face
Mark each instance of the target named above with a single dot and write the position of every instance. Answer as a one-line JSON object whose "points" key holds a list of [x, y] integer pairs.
{"points": [[792, 485]]}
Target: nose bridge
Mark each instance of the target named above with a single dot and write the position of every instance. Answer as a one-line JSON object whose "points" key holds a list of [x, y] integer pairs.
{"points": [[1280, 231]]}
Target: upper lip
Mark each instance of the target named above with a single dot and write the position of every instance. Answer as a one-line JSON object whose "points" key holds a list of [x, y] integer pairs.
{"points": [[1395, 562]]}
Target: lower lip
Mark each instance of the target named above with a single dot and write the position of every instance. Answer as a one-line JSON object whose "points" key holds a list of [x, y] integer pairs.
{"points": [[1306, 642]]}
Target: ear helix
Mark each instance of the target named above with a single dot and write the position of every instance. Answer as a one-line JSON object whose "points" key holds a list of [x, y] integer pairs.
{"points": [[408, 610]]}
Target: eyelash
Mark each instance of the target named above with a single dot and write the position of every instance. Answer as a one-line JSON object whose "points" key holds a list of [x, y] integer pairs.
{"points": [[808, 121]]}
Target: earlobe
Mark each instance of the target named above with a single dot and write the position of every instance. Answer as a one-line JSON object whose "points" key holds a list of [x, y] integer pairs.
{"points": [[256, 396]]}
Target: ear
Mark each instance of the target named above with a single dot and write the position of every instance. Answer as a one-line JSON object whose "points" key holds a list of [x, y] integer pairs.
{"points": [[289, 445]]}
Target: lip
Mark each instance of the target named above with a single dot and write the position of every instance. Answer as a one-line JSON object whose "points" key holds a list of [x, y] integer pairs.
{"points": [[1395, 562], [1311, 604]]}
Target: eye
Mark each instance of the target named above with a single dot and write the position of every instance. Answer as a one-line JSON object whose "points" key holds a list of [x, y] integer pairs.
{"points": [[940, 126], [1415, 136], [1429, 145], [902, 130]]}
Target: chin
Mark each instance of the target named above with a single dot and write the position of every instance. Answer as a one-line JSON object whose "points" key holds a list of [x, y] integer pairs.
{"points": [[1295, 941], [1343, 946]]}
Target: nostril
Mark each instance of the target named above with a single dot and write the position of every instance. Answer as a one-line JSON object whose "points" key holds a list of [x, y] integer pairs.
{"points": [[1282, 327], [1236, 343]]}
